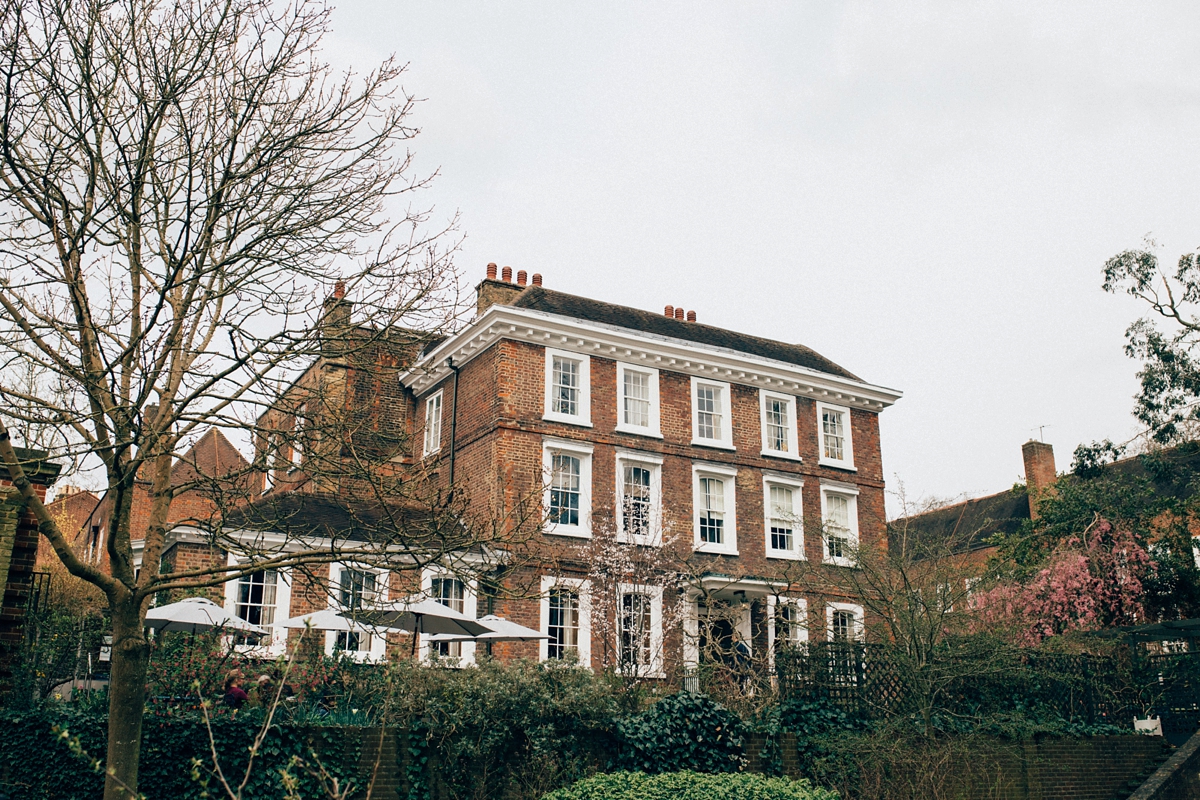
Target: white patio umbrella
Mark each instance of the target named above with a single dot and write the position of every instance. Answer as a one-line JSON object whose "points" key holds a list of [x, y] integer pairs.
{"points": [[328, 619], [197, 614], [501, 631], [423, 616]]}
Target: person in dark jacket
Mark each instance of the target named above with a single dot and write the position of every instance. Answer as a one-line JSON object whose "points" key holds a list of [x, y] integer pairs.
{"points": [[235, 695]]}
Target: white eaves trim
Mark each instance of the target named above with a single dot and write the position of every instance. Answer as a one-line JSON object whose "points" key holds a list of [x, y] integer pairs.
{"points": [[637, 347]]}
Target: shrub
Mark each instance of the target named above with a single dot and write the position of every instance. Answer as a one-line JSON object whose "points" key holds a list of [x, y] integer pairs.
{"points": [[689, 786], [685, 731]]}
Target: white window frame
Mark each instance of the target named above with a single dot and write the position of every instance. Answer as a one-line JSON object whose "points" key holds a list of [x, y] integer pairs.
{"points": [[791, 429], [796, 485], [729, 476], [654, 428], [470, 608], [299, 418], [859, 620], [773, 604], [584, 417], [433, 429], [376, 651], [653, 463], [847, 460], [725, 440], [851, 494], [655, 668], [582, 451], [276, 643], [582, 587]]}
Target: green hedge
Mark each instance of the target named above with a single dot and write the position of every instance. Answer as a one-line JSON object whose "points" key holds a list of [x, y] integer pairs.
{"points": [[689, 786], [35, 763]]}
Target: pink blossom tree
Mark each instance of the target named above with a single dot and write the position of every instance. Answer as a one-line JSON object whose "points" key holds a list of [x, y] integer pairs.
{"points": [[1090, 581]]}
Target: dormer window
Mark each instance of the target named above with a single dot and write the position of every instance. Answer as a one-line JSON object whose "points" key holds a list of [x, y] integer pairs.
{"points": [[834, 437], [710, 414], [568, 388]]}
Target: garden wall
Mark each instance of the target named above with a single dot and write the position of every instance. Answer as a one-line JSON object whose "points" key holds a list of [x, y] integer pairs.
{"points": [[1092, 768]]}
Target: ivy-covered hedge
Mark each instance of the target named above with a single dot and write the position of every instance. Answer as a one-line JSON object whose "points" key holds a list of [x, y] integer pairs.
{"points": [[35, 763], [689, 786]]}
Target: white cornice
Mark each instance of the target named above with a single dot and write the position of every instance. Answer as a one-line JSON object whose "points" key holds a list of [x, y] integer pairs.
{"points": [[638, 347]]}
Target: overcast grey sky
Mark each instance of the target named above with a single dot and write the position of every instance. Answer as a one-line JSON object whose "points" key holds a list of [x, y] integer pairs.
{"points": [[923, 193]]}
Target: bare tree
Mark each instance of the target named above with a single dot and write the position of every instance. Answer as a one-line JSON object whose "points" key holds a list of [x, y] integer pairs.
{"points": [[916, 594], [181, 182]]}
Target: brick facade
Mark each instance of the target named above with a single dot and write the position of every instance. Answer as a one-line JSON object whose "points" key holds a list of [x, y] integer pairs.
{"points": [[370, 399]]}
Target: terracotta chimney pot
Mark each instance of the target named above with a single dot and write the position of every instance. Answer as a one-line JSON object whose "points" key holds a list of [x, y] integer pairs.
{"points": [[537, 279], [521, 276], [506, 274], [691, 316], [491, 271], [669, 311], [339, 289], [679, 312]]}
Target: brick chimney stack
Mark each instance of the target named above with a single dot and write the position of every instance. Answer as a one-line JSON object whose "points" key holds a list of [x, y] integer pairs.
{"points": [[491, 291], [1040, 474]]}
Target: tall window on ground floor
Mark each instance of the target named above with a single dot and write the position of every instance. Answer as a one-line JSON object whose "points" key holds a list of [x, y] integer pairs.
{"points": [[452, 593], [564, 623], [635, 645], [256, 598], [356, 588]]}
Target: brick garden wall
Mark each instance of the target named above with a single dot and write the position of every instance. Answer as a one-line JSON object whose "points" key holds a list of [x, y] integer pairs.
{"points": [[1092, 768]]}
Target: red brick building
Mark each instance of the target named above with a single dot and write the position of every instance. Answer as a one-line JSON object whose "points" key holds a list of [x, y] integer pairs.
{"points": [[744, 471]]}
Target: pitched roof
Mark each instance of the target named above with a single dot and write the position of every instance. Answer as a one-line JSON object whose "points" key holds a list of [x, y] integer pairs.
{"points": [[967, 525], [538, 298], [213, 456], [303, 514]]}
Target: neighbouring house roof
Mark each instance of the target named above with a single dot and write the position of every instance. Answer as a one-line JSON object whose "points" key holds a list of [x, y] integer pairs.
{"points": [[1172, 471], [213, 456], [538, 298], [324, 516], [968, 524]]}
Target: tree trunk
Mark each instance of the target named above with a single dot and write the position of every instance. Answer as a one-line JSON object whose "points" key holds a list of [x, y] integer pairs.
{"points": [[126, 700]]}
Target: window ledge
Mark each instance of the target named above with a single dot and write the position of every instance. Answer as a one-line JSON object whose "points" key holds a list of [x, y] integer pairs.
{"points": [[785, 555], [715, 550], [578, 533], [713, 443], [636, 431], [566, 420], [778, 454], [841, 562], [826, 462]]}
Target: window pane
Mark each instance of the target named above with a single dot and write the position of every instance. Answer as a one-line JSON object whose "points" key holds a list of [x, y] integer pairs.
{"points": [[256, 598], [777, 425], [564, 623], [636, 500], [782, 518], [433, 423], [708, 412], [564, 489], [637, 398], [635, 649], [451, 593], [565, 391], [842, 626], [712, 510], [834, 434]]}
